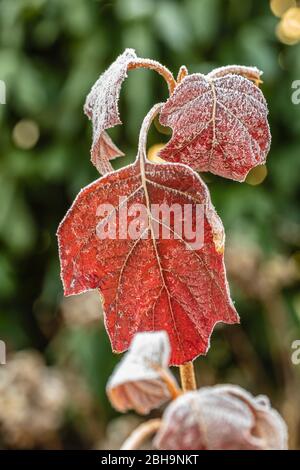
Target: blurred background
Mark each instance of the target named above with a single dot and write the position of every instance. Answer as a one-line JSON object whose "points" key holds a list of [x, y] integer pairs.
{"points": [[52, 388]]}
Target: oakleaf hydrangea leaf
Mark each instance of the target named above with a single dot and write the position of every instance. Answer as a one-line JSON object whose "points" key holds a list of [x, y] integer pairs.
{"points": [[155, 280], [101, 107], [219, 123]]}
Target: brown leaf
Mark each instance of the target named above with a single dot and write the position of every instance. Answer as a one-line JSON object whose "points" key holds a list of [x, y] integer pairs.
{"points": [[221, 417], [142, 380], [101, 107]]}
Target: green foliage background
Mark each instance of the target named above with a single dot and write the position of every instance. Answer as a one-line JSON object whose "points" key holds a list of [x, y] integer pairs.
{"points": [[51, 53]]}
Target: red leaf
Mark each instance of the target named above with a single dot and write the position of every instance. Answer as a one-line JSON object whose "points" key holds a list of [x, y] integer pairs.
{"points": [[104, 151], [219, 123], [224, 417], [101, 107], [149, 284]]}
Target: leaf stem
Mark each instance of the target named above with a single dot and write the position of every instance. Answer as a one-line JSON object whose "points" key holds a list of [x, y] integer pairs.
{"points": [[251, 74], [183, 72], [187, 376], [172, 386], [159, 68], [143, 136], [140, 434]]}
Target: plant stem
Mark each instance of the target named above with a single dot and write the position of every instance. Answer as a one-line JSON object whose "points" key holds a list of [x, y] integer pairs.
{"points": [[173, 389], [159, 68], [140, 434], [187, 376]]}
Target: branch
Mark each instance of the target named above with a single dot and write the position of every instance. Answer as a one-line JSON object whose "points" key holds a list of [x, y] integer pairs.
{"points": [[140, 434]]}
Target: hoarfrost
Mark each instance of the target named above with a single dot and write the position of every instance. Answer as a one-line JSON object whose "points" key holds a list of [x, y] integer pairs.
{"points": [[149, 284], [221, 417], [101, 107], [141, 379], [219, 124]]}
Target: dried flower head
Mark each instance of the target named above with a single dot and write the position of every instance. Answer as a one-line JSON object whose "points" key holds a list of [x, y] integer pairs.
{"points": [[33, 398], [221, 417], [142, 380]]}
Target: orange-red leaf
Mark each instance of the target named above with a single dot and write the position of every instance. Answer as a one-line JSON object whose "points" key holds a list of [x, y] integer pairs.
{"points": [[148, 284], [219, 123]]}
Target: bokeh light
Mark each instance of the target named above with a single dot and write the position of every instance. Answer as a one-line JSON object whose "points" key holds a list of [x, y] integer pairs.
{"points": [[279, 7], [257, 175], [288, 29], [153, 153], [291, 23], [25, 134], [283, 37]]}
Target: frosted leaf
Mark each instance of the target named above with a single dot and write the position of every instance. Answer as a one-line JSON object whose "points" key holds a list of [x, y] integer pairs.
{"points": [[142, 380], [221, 417], [181, 290], [104, 151], [156, 281], [219, 124], [101, 107]]}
